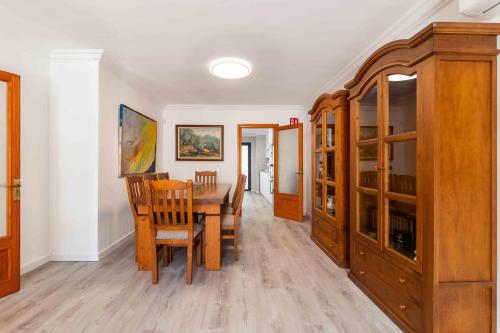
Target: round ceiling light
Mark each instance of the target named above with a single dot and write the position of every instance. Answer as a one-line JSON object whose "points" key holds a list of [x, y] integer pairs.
{"points": [[230, 68]]}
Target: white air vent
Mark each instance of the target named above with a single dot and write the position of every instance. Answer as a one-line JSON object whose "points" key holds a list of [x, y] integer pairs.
{"points": [[477, 7]]}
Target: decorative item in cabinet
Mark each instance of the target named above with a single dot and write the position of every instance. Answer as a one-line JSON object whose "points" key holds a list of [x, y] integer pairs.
{"points": [[423, 143], [330, 159]]}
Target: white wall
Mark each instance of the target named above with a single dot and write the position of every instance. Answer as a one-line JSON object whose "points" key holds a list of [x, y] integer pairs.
{"points": [[73, 158], [25, 51], [229, 116], [115, 217]]}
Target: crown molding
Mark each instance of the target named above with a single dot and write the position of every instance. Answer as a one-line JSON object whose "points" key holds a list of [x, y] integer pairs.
{"points": [[411, 21], [83, 55]]}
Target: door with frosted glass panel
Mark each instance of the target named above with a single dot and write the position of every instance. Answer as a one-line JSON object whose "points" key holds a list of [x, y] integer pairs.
{"points": [[288, 172], [9, 184]]}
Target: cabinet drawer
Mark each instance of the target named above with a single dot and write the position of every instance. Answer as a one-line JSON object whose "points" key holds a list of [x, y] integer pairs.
{"points": [[403, 283], [400, 297], [326, 234]]}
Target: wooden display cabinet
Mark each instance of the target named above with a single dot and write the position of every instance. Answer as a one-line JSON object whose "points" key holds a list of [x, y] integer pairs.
{"points": [[330, 159], [423, 178]]}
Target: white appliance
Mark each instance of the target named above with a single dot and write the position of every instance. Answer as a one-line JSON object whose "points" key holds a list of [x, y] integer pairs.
{"points": [[478, 7]]}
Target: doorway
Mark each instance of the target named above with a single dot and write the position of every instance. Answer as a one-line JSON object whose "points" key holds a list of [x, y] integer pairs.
{"points": [[246, 163]]}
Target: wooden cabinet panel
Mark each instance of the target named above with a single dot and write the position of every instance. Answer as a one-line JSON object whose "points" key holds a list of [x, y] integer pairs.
{"points": [[427, 254], [330, 167], [466, 254]]}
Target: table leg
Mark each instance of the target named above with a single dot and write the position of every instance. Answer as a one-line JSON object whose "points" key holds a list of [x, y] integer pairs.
{"points": [[212, 241]]}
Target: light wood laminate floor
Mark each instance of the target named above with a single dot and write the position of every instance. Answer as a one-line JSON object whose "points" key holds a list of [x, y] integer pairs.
{"points": [[282, 283]]}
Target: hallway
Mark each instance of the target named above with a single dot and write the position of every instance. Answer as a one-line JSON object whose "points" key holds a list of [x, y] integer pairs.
{"points": [[282, 283]]}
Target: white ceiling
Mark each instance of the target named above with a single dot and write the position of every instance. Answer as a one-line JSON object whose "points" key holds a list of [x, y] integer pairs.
{"points": [[165, 45], [254, 131]]}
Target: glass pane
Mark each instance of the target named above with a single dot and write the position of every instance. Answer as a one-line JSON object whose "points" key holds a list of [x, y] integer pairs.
{"points": [[402, 103], [368, 215], [244, 163], [403, 228], [288, 161], [331, 200], [368, 115], [330, 166], [319, 196], [403, 167], [3, 158], [319, 165], [319, 137], [368, 166], [330, 129]]}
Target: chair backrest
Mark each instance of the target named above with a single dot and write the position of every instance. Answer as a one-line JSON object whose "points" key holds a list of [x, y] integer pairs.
{"points": [[239, 200], [149, 177], [237, 191], [136, 190], [171, 204], [162, 176], [206, 177]]}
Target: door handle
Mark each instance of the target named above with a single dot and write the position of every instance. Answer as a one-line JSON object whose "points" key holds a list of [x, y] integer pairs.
{"points": [[16, 183], [17, 189], [299, 173]]}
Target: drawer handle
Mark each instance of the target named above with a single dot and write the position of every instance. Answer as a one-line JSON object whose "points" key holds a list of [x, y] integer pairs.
{"points": [[361, 253], [402, 307], [362, 272], [402, 280]]}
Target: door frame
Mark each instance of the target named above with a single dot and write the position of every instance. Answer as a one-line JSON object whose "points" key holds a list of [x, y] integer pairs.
{"points": [[249, 145], [12, 242], [238, 145]]}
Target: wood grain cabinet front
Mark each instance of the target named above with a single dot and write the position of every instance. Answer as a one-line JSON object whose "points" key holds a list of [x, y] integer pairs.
{"points": [[330, 165], [423, 167]]}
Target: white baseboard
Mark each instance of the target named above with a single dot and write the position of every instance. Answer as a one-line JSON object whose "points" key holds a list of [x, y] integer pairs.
{"points": [[74, 257], [28, 267], [116, 244]]}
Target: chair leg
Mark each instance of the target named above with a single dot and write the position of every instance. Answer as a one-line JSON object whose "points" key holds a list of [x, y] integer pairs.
{"points": [[136, 243], [166, 255], [235, 247], [154, 266], [198, 251], [189, 268]]}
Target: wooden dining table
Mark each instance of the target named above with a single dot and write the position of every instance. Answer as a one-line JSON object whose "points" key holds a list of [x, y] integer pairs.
{"points": [[207, 199]]}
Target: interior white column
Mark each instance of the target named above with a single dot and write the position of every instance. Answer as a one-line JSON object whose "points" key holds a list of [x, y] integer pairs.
{"points": [[73, 154]]}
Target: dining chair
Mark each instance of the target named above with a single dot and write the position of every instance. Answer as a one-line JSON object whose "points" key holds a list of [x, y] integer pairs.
{"points": [[206, 177], [166, 198], [149, 177], [162, 176], [135, 190], [230, 222], [230, 207]]}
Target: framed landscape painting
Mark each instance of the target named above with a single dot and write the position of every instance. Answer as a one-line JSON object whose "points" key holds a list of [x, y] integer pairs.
{"points": [[137, 142], [199, 142]]}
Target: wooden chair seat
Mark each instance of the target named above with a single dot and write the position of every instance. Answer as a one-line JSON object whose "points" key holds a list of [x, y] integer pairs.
{"points": [[227, 221], [178, 234]]}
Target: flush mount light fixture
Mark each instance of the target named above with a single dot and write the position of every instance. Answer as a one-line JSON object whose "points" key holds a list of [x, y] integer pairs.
{"points": [[230, 68], [401, 77]]}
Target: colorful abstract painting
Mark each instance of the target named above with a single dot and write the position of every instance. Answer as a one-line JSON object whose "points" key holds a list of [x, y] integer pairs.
{"points": [[137, 142], [199, 142]]}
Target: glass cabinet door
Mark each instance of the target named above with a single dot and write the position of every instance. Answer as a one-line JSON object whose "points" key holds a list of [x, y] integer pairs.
{"points": [[330, 163], [318, 163], [367, 156], [400, 155]]}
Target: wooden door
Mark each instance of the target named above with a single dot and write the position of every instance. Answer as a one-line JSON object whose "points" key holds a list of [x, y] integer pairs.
{"points": [[9, 183], [288, 172]]}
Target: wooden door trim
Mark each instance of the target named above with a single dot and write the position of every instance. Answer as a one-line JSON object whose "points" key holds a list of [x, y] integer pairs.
{"points": [[12, 241], [300, 199], [238, 147]]}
